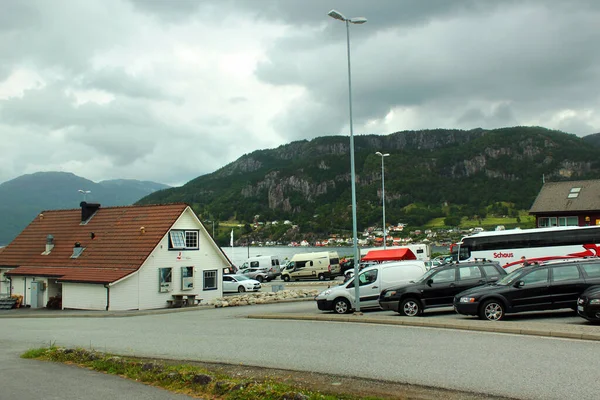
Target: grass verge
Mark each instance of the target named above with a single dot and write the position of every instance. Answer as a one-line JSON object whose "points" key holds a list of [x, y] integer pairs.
{"points": [[181, 378]]}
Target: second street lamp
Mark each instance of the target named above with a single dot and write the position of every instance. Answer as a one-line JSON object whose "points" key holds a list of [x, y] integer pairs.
{"points": [[358, 20], [383, 194]]}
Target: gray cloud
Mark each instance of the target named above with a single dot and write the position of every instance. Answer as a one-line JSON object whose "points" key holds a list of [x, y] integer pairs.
{"points": [[169, 90]]}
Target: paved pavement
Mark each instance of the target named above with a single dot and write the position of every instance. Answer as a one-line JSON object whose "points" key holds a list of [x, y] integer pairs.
{"points": [[585, 332], [535, 325], [522, 366]]}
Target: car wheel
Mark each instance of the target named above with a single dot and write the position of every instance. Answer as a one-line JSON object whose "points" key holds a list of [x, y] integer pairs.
{"points": [[268, 279], [241, 289], [321, 277], [492, 310], [286, 278], [260, 279], [341, 306], [410, 307]]}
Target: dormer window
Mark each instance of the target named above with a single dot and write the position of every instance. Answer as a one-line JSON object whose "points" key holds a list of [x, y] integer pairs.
{"points": [[183, 240]]}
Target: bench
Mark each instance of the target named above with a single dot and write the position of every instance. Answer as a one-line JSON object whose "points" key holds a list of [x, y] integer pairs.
{"points": [[183, 300]]}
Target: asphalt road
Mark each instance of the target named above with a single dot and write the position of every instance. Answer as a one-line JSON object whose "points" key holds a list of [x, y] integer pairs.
{"points": [[32, 380], [500, 364]]}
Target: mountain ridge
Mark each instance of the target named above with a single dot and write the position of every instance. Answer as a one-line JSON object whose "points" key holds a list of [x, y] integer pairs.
{"points": [[23, 197], [430, 173]]}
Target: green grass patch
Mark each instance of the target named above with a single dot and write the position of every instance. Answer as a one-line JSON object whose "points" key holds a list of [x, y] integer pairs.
{"points": [[182, 378], [488, 223]]}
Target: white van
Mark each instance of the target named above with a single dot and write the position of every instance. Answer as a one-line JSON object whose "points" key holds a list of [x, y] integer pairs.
{"points": [[271, 263], [372, 281], [318, 265]]}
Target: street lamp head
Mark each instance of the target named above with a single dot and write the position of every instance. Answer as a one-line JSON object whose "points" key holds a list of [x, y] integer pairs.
{"points": [[336, 15], [382, 155], [357, 20]]}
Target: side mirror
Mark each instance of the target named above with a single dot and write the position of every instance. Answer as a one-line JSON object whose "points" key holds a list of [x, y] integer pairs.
{"points": [[519, 284], [494, 278], [429, 282]]}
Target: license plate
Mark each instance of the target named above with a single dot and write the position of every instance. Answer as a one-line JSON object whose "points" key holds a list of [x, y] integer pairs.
{"points": [[580, 308]]}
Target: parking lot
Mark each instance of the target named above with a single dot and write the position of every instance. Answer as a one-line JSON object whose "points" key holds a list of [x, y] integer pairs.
{"points": [[564, 316]]}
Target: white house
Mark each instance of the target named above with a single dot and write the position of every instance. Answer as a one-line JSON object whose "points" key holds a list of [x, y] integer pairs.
{"points": [[114, 258]]}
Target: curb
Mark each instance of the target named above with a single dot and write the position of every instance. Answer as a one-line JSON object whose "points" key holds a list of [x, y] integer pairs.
{"points": [[122, 314], [480, 326]]}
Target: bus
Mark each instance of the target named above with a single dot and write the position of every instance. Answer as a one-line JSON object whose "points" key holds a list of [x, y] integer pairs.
{"points": [[536, 245]]}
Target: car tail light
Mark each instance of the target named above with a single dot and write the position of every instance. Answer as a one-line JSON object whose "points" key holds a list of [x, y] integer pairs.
{"points": [[329, 268]]}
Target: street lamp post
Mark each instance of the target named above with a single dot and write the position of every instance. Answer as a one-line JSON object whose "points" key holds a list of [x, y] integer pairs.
{"points": [[383, 194], [213, 226], [84, 193], [358, 20]]}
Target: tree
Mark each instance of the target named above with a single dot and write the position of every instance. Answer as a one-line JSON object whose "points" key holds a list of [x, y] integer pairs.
{"points": [[452, 220]]}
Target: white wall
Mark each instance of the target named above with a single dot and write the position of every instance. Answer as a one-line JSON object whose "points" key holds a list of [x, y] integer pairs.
{"points": [[125, 294], [21, 285], [83, 296], [18, 286], [208, 257], [4, 283]]}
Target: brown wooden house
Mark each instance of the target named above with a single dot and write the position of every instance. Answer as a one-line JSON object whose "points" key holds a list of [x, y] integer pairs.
{"points": [[571, 203]]}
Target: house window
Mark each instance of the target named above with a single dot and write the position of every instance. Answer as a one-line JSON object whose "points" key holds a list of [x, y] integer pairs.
{"points": [[164, 279], [568, 221], [183, 240], [187, 278], [191, 239], [210, 280], [544, 222]]}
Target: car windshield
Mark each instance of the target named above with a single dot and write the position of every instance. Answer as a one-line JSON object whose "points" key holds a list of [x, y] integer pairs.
{"points": [[241, 278], [510, 278], [426, 275]]}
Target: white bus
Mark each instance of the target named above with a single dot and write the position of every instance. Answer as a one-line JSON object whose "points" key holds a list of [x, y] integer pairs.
{"points": [[538, 244]]}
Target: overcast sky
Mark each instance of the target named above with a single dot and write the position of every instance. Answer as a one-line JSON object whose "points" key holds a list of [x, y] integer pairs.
{"points": [[167, 90]]}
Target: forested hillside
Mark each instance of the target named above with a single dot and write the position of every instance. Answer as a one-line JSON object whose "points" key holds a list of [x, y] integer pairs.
{"points": [[428, 174]]}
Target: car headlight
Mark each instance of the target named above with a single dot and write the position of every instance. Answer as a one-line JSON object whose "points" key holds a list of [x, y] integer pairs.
{"points": [[467, 299], [595, 301], [325, 292], [389, 293]]}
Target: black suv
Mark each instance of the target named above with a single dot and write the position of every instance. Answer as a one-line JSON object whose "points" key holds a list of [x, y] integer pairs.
{"points": [[438, 287], [537, 287]]}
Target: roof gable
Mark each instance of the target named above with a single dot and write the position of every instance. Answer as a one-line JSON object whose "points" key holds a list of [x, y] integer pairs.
{"points": [[568, 196], [115, 239]]}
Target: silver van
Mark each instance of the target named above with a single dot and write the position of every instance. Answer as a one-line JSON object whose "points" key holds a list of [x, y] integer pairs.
{"points": [[372, 281]]}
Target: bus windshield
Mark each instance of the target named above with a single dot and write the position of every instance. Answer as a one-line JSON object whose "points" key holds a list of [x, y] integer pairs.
{"points": [[465, 252]]}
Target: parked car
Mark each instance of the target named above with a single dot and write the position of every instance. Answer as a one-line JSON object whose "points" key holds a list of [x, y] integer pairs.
{"points": [[588, 304], [346, 265], [371, 281], [261, 274], [438, 287], [270, 262], [240, 284], [548, 286], [320, 265]]}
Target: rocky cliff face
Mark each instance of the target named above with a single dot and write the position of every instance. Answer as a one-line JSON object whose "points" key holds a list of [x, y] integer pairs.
{"points": [[428, 168]]}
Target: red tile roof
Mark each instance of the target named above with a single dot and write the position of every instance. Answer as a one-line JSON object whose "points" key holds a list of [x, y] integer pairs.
{"points": [[118, 248]]}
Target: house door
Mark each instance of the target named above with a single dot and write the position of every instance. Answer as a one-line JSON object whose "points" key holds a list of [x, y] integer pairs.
{"points": [[37, 294]]}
